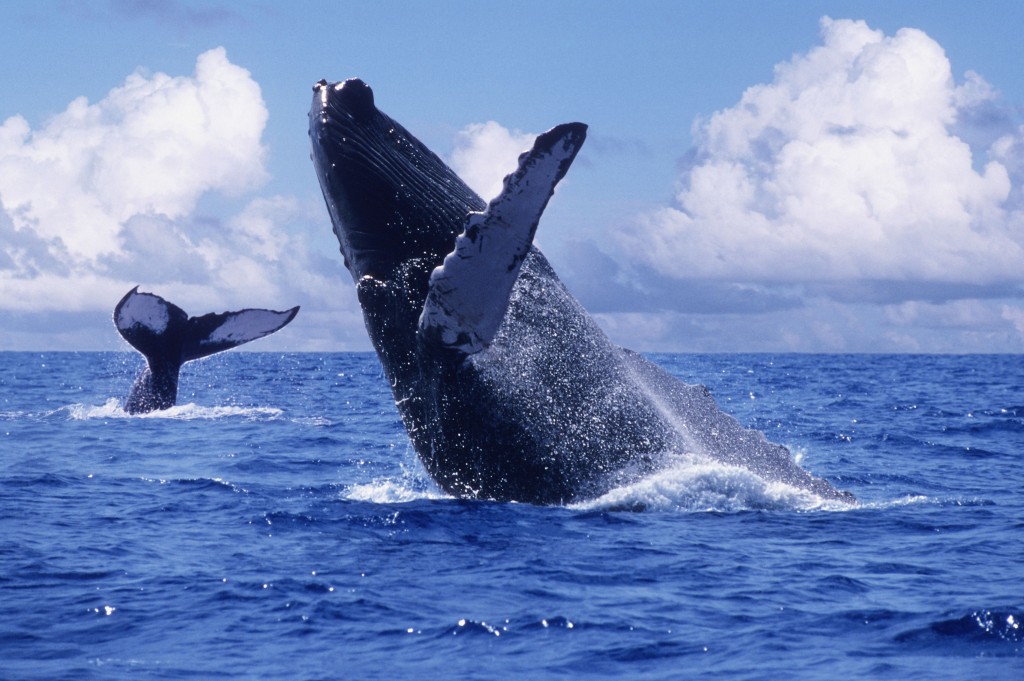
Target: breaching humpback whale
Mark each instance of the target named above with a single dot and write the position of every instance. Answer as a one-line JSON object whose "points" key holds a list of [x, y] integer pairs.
{"points": [[507, 388], [168, 338]]}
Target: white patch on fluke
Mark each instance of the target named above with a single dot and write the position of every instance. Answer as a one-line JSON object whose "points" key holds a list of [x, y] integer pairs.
{"points": [[247, 325], [145, 310]]}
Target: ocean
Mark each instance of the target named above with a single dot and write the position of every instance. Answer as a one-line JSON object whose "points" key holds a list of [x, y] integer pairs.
{"points": [[276, 524]]}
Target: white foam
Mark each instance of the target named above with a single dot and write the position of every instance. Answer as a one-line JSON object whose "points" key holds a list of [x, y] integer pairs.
{"points": [[692, 484], [187, 412], [392, 491], [687, 484], [112, 409], [82, 412], [909, 500]]}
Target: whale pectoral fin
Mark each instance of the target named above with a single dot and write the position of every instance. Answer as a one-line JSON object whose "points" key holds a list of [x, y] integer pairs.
{"points": [[219, 331], [469, 293], [143, 319]]}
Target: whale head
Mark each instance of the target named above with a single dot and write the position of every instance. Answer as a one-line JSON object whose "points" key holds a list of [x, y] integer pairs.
{"points": [[392, 201]]}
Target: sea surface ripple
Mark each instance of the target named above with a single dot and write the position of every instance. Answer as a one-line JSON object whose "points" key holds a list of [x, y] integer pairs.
{"points": [[276, 525]]}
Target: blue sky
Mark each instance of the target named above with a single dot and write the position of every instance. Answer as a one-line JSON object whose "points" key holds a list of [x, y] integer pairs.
{"points": [[758, 176]]}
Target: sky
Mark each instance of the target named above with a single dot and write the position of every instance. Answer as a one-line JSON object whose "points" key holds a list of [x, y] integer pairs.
{"points": [[803, 176]]}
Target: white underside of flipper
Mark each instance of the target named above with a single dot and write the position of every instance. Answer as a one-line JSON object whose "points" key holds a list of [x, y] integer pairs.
{"points": [[469, 293]]}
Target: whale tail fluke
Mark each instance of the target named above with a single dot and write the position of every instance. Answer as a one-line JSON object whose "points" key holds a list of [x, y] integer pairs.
{"points": [[147, 321], [154, 326], [220, 331], [168, 337]]}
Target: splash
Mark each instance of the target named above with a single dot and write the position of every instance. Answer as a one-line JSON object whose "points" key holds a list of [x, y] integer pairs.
{"points": [[690, 483], [399, 490], [190, 411], [686, 484], [113, 409]]}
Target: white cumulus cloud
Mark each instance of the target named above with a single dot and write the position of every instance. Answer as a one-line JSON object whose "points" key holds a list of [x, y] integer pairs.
{"points": [[846, 166], [485, 153], [152, 146], [104, 192], [103, 196]]}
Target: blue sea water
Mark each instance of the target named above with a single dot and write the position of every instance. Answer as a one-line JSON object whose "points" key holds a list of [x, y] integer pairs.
{"points": [[277, 525]]}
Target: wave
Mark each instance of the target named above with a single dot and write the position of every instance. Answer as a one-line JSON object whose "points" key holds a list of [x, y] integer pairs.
{"points": [[393, 491], [112, 409], [692, 484], [995, 632], [685, 485], [198, 483], [696, 486]]}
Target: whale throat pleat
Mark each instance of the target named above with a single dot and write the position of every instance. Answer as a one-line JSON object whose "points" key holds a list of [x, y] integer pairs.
{"points": [[377, 146]]}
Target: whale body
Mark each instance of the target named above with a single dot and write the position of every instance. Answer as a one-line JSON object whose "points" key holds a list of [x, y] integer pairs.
{"points": [[507, 387], [168, 338]]}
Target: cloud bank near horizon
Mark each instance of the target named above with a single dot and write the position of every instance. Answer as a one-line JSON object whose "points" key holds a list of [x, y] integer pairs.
{"points": [[863, 199]]}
